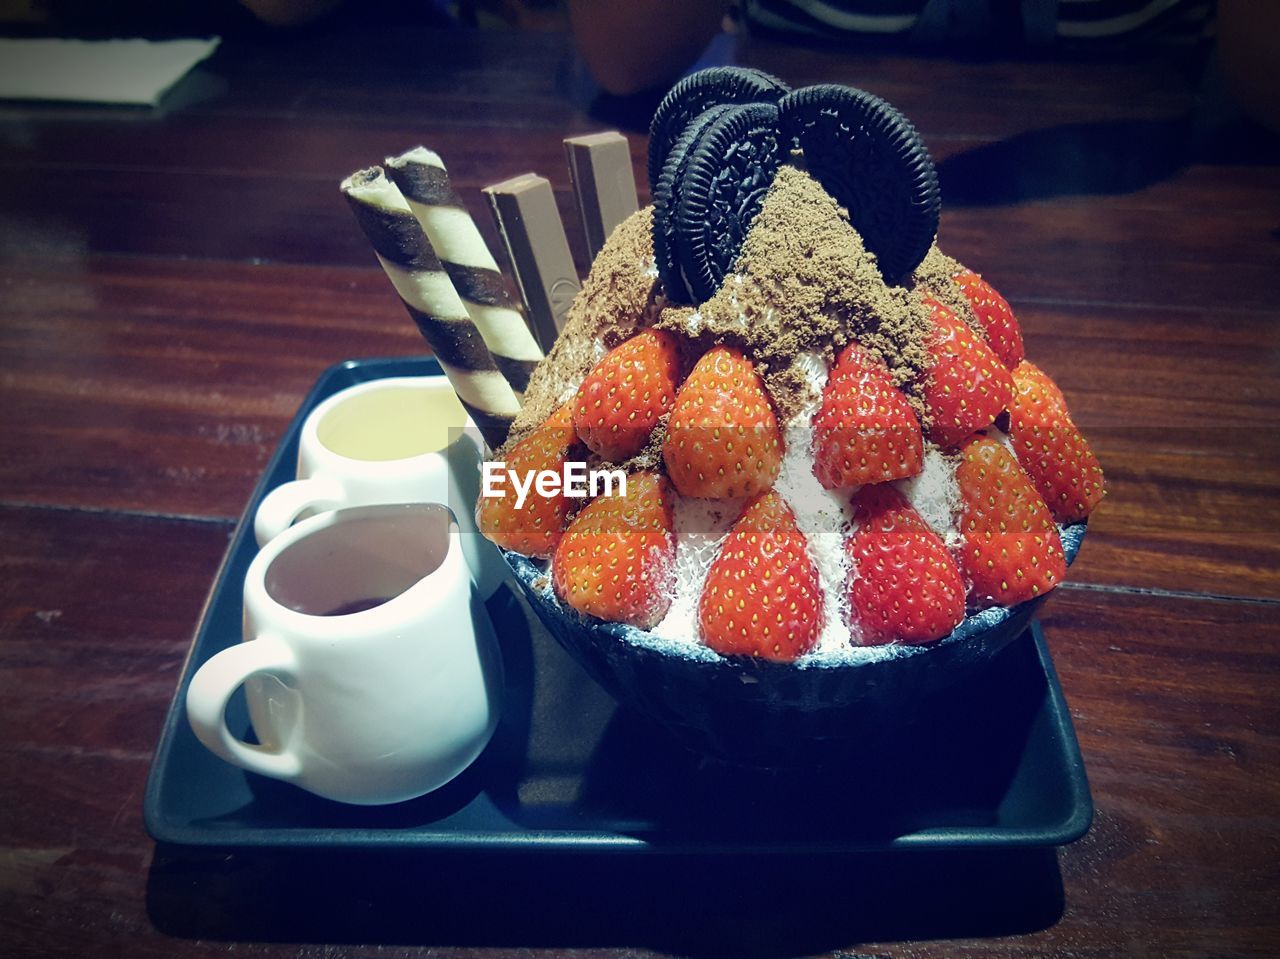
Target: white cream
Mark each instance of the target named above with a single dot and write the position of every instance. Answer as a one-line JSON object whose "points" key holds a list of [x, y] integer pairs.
{"points": [[823, 516], [700, 527], [934, 494]]}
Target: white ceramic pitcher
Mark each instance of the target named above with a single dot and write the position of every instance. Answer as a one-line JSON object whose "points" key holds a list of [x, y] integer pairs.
{"points": [[368, 659], [402, 439]]}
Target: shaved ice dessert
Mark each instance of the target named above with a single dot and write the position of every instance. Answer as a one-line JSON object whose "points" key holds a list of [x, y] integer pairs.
{"points": [[846, 485]]}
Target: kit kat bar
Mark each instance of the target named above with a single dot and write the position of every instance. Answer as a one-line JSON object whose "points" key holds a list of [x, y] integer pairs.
{"points": [[524, 209], [603, 183]]}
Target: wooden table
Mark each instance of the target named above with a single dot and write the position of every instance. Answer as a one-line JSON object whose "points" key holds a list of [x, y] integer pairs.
{"points": [[172, 282]]}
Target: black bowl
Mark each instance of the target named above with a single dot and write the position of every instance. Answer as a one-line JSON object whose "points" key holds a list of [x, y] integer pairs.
{"points": [[775, 714]]}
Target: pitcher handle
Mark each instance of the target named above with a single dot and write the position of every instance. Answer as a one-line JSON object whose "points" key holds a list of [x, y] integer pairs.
{"points": [[286, 502], [210, 691]]}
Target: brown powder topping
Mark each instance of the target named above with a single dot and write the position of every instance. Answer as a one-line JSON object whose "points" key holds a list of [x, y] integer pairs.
{"points": [[650, 458], [805, 283], [617, 298], [933, 276], [791, 390]]}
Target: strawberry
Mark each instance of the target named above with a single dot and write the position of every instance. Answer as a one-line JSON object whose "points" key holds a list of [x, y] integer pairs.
{"points": [[616, 560], [536, 527], [723, 438], [967, 387], [1004, 336], [903, 584], [1050, 448], [1011, 549], [762, 596], [622, 397], [865, 430]]}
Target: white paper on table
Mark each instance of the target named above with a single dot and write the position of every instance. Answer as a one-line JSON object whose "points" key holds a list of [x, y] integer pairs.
{"points": [[97, 71]]}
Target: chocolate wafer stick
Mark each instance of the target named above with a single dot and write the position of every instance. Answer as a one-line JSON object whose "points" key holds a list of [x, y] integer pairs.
{"points": [[431, 300], [422, 178], [524, 208], [604, 183]]}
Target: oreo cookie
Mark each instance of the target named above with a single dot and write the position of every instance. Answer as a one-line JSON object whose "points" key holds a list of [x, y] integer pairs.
{"points": [[666, 201], [870, 158], [731, 164], [696, 94]]}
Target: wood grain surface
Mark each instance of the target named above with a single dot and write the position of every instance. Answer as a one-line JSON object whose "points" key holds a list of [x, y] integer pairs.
{"points": [[172, 282]]}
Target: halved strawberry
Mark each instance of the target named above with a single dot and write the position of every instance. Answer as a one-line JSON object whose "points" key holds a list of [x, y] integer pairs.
{"points": [[967, 387], [1011, 549], [1050, 448], [762, 596], [536, 527], [622, 397], [865, 430], [903, 584], [723, 438], [617, 558], [1004, 336]]}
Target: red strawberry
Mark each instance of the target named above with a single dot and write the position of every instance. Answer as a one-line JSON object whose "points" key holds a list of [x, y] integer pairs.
{"points": [[621, 399], [1011, 550], [1050, 448], [1004, 336], [616, 560], [762, 596], [865, 430], [723, 438], [967, 387], [535, 528], [903, 584]]}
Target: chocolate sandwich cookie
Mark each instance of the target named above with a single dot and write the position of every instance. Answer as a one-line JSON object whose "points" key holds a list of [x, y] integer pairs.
{"points": [[697, 93], [870, 158], [731, 166], [666, 202]]}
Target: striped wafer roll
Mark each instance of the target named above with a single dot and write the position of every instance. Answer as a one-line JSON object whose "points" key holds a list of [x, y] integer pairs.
{"points": [[421, 177], [428, 295]]}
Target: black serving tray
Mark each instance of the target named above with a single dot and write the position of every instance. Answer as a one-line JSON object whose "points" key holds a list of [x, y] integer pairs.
{"points": [[993, 763]]}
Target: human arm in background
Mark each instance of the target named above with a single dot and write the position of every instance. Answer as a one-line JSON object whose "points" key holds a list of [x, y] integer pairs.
{"points": [[633, 45], [288, 13]]}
